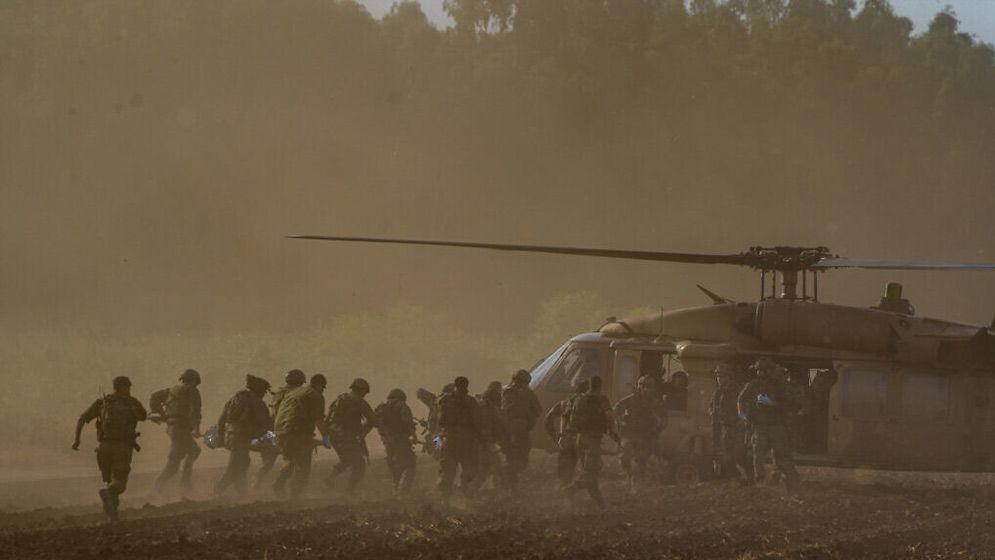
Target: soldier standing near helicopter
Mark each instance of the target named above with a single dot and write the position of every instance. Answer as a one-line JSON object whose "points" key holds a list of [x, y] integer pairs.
{"points": [[640, 420], [590, 418], [521, 409], [349, 419], [728, 431], [565, 442], [764, 403], [459, 425], [493, 436]]}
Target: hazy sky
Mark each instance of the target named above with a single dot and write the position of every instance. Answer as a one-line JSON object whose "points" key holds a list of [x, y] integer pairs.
{"points": [[976, 16]]}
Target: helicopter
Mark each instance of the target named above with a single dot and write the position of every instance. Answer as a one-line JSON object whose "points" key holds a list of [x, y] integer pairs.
{"points": [[887, 389]]}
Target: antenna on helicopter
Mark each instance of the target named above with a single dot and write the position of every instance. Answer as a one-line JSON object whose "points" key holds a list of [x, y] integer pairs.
{"points": [[785, 262]]}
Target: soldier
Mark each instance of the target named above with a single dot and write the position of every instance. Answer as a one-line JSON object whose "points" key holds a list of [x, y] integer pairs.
{"points": [[459, 421], [396, 426], [430, 400], [590, 418], [117, 415], [349, 419], [182, 416], [764, 402], [566, 457], [728, 431], [301, 412], [493, 436], [640, 419], [521, 408], [675, 392], [294, 379], [244, 418]]}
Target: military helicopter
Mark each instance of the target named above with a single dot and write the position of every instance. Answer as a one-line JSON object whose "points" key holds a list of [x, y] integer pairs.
{"points": [[887, 389]]}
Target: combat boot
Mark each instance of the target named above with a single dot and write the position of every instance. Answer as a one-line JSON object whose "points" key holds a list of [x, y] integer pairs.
{"points": [[110, 503]]}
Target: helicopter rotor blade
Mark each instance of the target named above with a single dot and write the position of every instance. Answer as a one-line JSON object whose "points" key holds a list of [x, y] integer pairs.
{"points": [[836, 262], [694, 258]]}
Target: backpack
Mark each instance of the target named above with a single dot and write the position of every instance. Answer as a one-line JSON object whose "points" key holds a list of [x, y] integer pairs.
{"points": [[587, 414], [177, 402], [290, 416], [117, 419], [157, 402]]}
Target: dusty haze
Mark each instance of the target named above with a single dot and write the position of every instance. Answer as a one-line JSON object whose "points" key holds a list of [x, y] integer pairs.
{"points": [[152, 156]]}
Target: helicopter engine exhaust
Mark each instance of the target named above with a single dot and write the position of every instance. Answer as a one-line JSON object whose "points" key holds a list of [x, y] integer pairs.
{"points": [[786, 322]]}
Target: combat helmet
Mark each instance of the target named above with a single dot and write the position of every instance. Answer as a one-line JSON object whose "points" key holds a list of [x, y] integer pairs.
{"points": [[396, 395], [522, 376], [256, 384], [360, 384], [190, 376], [295, 378]]}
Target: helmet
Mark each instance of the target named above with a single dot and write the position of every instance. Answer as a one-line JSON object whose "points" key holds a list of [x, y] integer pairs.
{"points": [[256, 384], [396, 395], [121, 382], [495, 386], [522, 376], [493, 394], [461, 383], [319, 381], [448, 388], [295, 378], [190, 376], [360, 384]]}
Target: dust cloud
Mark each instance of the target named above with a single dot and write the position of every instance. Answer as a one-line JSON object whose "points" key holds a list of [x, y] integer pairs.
{"points": [[153, 156]]}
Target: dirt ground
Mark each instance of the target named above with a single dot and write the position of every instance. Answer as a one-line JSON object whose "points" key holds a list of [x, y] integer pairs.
{"points": [[838, 514]]}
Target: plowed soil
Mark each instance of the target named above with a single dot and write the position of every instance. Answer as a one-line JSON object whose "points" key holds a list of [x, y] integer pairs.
{"points": [[838, 514]]}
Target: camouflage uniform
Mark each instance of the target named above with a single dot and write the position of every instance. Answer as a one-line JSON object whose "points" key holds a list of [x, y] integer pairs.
{"points": [[183, 416], [521, 409], [640, 419], [396, 426], [566, 457], [349, 419], [728, 432], [270, 455], [244, 418], [590, 417], [768, 418], [116, 446], [459, 422], [294, 428], [493, 437]]}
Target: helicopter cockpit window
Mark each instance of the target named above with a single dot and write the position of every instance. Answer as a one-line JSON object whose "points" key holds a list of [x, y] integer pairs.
{"points": [[925, 397], [865, 394], [577, 365]]}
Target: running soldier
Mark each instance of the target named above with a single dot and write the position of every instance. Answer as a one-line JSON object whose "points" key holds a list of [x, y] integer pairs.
{"points": [[349, 419], [396, 426], [244, 418], [493, 436], [728, 430], [117, 416], [459, 421], [590, 418], [301, 412], [521, 409], [566, 443], [640, 418], [765, 402], [294, 379], [182, 416]]}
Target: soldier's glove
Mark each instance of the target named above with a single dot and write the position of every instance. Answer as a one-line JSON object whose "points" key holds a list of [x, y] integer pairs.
{"points": [[327, 442]]}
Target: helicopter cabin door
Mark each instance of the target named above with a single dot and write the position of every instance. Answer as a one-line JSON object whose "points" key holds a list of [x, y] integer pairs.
{"points": [[898, 417]]}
